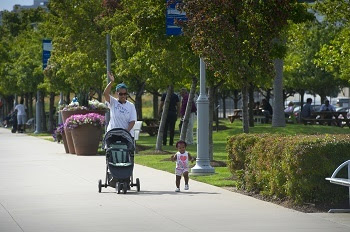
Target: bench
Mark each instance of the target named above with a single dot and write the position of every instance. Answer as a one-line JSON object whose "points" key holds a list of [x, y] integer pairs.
{"points": [[259, 119], [152, 126], [340, 181], [151, 130]]}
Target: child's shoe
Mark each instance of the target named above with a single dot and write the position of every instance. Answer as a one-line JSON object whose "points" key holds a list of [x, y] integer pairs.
{"points": [[177, 190], [187, 187]]}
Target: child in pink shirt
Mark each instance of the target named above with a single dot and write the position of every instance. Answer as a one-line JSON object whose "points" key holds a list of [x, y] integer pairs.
{"points": [[181, 157]]}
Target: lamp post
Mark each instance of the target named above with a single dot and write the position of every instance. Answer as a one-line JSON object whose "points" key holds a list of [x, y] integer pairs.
{"points": [[108, 61], [59, 112], [202, 166]]}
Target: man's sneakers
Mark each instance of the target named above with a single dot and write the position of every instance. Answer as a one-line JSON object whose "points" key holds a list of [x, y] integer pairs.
{"points": [[177, 190]]}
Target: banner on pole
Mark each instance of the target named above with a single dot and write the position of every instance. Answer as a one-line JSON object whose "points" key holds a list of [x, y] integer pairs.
{"points": [[47, 48], [173, 14]]}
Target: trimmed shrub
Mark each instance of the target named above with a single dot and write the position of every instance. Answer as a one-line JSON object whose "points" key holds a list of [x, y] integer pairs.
{"points": [[289, 167]]}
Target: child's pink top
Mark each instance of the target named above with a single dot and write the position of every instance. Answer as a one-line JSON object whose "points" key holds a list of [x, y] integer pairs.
{"points": [[181, 160]]}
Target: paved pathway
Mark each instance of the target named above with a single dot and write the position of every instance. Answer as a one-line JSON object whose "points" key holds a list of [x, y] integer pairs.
{"points": [[44, 189]]}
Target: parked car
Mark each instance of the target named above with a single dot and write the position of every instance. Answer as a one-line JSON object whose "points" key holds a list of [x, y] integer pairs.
{"points": [[343, 109]]}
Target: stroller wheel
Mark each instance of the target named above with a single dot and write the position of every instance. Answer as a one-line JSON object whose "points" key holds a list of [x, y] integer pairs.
{"points": [[119, 187], [125, 187], [99, 186], [138, 184]]}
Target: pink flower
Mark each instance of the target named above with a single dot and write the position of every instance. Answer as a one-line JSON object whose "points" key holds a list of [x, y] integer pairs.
{"points": [[81, 119]]}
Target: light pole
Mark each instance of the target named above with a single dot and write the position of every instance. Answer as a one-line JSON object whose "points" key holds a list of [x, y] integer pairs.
{"points": [[108, 61], [202, 166], [59, 111]]}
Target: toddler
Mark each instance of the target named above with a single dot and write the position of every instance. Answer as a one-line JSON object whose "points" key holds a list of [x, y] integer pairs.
{"points": [[181, 157]]}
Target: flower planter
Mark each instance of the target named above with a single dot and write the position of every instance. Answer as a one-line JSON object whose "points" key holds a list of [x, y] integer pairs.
{"points": [[86, 139], [66, 114], [65, 143]]}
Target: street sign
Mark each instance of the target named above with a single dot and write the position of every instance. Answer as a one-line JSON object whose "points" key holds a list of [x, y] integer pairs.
{"points": [[47, 48], [173, 14]]}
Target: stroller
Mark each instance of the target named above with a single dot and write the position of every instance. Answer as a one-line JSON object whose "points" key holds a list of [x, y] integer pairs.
{"points": [[120, 148]]}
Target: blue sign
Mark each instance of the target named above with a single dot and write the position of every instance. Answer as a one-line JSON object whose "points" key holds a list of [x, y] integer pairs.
{"points": [[47, 48], [173, 14]]}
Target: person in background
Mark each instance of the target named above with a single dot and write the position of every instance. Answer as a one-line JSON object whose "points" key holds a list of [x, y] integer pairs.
{"points": [[189, 134], [307, 110], [173, 113], [266, 109], [327, 107], [289, 110], [122, 112], [21, 116]]}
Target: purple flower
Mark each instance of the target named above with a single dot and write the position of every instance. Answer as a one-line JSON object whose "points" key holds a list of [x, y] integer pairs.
{"points": [[77, 120], [58, 132]]}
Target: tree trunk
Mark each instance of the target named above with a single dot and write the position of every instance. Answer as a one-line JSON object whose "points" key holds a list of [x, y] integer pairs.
{"points": [[251, 105], [187, 115], [211, 92], [323, 98], [43, 114], [52, 113], [278, 118], [235, 99], [302, 93], [268, 95], [138, 100], [30, 105], [26, 100], [224, 106], [68, 98], [163, 119], [155, 106], [245, 109]]}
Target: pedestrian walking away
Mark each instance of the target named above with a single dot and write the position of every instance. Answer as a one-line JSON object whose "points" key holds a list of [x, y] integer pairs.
{"points": [[181, 157], [21, 116]]}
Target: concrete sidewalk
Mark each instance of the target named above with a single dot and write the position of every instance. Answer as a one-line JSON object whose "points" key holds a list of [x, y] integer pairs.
{"points": [[44, 189]]}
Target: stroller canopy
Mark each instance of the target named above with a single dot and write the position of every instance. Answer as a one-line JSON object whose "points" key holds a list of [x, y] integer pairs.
{"points": [[118, 134]]}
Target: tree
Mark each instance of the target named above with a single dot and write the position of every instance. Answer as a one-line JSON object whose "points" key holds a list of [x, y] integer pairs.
{"points": [[334, 56], [145, 58], [79, 48], [302, 73], [236, 37]]}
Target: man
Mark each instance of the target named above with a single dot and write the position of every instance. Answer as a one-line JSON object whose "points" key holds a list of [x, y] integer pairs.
{"points": [[267, 110], [189, 133], [21, 116], [122, 112], [307, 110], [173, 112], [327, 107]]}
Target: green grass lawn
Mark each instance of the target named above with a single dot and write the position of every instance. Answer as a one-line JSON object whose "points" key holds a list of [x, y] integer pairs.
{"points": [[222, 177]]}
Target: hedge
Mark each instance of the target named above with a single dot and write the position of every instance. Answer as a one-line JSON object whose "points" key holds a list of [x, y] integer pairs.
{"points": [[289, 167]]}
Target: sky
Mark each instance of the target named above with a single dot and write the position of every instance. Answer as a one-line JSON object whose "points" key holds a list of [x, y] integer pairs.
{"points": [[8, 4]]}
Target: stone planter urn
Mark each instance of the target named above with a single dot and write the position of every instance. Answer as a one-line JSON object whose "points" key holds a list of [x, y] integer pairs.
{"points": [[85, 132], [68, 142], [86, 139]]}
